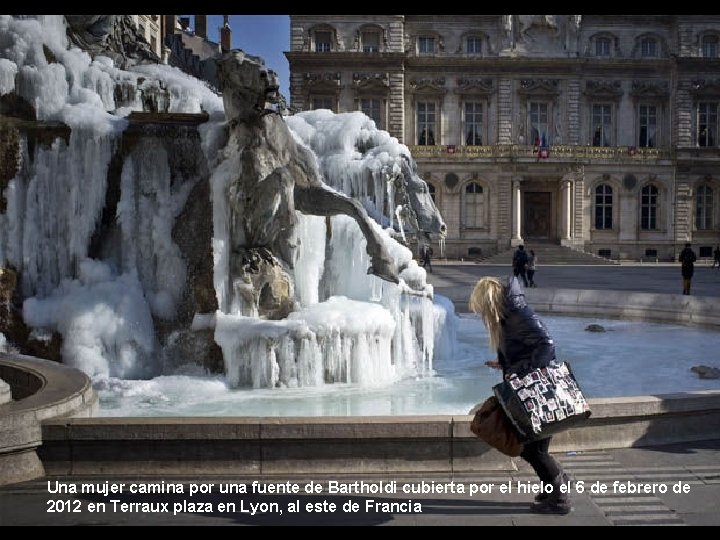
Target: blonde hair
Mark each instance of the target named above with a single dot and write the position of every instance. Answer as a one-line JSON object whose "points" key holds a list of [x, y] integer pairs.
{"points": [[488, 299]]}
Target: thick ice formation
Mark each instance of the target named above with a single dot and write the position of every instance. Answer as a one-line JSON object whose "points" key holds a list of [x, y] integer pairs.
{"points": [[354, 156], [350, 326], [57, 197], [104, 319]]}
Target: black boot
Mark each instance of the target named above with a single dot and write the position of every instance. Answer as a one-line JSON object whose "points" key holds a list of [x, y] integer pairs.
{"points": [[556, 502], [566, 478]]}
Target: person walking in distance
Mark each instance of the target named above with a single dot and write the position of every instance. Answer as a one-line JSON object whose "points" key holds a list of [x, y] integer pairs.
{"points": [[522, 343], [687, 260], [519, 264], [716, 257], [532, 260], [426, 252]]}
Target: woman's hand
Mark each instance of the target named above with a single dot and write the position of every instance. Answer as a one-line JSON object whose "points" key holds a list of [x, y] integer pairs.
{"points": [[493, 364]]}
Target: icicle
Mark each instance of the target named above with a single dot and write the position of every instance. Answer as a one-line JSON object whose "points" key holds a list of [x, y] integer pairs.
{"points": [[401, 225]]}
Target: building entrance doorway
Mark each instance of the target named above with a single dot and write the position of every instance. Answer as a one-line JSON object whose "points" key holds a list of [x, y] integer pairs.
{"points": [[537, 215]]}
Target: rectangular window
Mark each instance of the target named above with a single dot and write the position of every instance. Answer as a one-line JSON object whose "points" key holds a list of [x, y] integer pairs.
{"points": [[648, 217], [648, 48], [473, 124], [371, 107], [426, 123], [371, 42], [473, 45], [703, 208], [474, 215], [603, 208], [648, 208], [538, 113], [323, 41], [648, 126], [601, 123], [153, 43], [707, 123], [426, 45], [602, 47], [322, 103]]}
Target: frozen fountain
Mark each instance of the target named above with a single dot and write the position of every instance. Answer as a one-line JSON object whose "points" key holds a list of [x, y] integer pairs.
{"points": [[170, 242], [147, 226]]}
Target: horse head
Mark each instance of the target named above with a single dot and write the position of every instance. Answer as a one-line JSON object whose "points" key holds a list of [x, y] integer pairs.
{"points": [[420, 200]]}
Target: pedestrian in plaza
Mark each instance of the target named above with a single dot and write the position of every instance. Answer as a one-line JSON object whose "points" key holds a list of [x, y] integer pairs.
{"points": [[716, 257], [532, 260], [426, 252], [519, 264], [687, 260], [522, 343]]}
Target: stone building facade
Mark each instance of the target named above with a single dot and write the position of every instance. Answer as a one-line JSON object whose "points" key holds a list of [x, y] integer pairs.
{"points": [[599, 132], [150, 27]]}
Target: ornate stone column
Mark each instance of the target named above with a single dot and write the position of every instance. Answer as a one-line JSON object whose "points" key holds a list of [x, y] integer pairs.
{"points": [[566, 238], [516, 209]]}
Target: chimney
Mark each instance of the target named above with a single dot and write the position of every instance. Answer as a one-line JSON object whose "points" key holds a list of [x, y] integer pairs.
{"points": [[226, 34], [201, 26], [170, 24]]}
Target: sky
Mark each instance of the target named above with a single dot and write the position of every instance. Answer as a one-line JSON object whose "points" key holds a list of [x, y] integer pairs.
{"points": [[267, 36]]}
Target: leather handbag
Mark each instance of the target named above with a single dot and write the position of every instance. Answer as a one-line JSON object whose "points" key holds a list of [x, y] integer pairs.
{"points": [[543, 402], [493, 426]]}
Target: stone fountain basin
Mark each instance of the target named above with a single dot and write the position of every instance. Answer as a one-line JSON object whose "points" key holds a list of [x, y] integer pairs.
{"points": [[387, 444], [41, 389]]}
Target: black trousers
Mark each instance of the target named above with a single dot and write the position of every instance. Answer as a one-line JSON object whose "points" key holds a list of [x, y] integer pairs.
{"points": [[537, 455], [521, 272]]}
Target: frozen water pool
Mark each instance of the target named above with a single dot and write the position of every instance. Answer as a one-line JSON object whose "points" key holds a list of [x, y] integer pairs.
{"points": [[631, 358]]}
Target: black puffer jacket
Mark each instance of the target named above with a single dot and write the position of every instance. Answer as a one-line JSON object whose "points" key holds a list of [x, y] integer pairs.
{"points": [[527, 343]]}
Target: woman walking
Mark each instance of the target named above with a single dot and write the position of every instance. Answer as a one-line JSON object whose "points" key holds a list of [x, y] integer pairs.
{"points": [[522, 343]]}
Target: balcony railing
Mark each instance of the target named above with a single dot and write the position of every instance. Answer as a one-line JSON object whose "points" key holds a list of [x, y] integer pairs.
{"points": [[522, 151]]}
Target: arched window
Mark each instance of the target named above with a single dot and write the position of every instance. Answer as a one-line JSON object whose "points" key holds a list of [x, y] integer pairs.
{"points": [[710, 46], [474, 202], [323, 38], [649, 47], [602, 46], [431, 190], [370, 40], [648, 208], [473, 45], [603, 207], [703, 208], [426, 44]]}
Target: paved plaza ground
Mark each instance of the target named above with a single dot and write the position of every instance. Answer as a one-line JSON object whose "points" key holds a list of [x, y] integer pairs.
{"points": [[455, 280], [691, 468]]}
